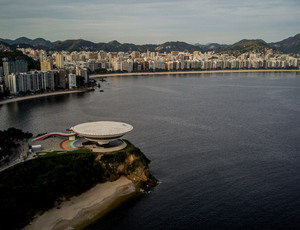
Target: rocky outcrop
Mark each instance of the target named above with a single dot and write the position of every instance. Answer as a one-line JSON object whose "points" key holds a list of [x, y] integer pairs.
{"points": [[130, 162]]}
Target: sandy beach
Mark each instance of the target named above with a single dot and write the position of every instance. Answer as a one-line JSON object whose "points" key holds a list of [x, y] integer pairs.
{"points": [[39, 95], [194, 72], [84, 208]]}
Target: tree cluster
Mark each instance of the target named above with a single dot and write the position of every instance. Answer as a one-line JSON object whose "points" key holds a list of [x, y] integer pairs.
{"points": [[9, 139], [36, 185]]}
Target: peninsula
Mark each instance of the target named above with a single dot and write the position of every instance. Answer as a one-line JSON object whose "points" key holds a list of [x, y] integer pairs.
{"points": [[71, 180]]}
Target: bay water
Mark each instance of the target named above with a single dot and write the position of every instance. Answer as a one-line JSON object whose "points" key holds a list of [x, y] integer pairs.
{"points": [[225, 146]]}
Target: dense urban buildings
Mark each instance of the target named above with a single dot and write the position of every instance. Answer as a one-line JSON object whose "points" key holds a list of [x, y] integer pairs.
{"points": [[13, 65], [100, 62], [60, 70]]}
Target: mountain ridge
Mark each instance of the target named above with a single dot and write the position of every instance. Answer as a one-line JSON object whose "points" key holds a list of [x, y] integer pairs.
{"points": [[288, 45]]}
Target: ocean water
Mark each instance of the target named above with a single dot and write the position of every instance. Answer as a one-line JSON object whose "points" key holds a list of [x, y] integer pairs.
{"points": [[225, 147]]}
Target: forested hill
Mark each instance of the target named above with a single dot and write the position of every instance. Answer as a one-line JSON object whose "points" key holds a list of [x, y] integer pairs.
{"points": [[244, 46], [289, 45]]}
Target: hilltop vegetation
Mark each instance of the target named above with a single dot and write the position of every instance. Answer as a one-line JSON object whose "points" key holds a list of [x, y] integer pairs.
{"points": [[244, 46], [289, 45], [38, 42]]}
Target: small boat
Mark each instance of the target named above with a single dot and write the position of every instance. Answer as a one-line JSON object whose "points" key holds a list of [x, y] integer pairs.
{"points": [[101, 90]]}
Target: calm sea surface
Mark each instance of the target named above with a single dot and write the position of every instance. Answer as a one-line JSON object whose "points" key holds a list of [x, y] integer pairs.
{"points": [[226, 147]]}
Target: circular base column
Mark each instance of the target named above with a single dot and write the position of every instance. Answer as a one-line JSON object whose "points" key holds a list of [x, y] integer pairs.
{"points": [[112, 146]]}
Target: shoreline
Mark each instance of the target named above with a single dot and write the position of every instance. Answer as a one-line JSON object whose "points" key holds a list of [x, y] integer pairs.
{"points": [[39, 95], [82, 210], [195, 72], [142, 74]]}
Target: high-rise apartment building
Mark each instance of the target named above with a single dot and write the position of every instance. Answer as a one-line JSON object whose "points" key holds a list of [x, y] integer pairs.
{"points": [[91, 55], [60, 79], [102, 55], [46, 65], [135, 54], [1, 74], [11, 65], [31, 81], [59, 60], [174, 53], [84, 73], [72, 81]]}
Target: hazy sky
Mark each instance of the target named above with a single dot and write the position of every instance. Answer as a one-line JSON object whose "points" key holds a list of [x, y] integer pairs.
{"points": [[150, 21]]}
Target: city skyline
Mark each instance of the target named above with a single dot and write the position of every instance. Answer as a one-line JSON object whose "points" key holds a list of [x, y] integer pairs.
{"points": [[154, 22]]}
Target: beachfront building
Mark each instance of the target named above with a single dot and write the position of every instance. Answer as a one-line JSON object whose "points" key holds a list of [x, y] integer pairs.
{"points": [[83, 72], [72, 81], [1, 74], [31, 81], [13, 65], [59, 79], [137, 61]]}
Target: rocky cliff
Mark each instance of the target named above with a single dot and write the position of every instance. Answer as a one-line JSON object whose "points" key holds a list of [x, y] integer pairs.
{"points": [[130, 162]]}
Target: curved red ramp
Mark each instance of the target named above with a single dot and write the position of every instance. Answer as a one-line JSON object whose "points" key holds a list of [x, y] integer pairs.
{"points": [[40, 138]]}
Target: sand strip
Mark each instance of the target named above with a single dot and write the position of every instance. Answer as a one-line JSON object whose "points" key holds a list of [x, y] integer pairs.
{"points": [[40, 95], [84, 207], [194, 72]]}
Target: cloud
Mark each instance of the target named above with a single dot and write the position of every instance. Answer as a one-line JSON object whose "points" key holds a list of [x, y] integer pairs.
{"points": [[145, 21]]}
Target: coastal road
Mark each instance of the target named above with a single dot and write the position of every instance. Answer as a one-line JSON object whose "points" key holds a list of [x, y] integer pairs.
{"points": [[19, 155]]}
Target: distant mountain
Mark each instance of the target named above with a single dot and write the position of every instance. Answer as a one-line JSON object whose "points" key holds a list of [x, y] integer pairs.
{"points": [[289, 45], [113, 46], [38, 42], [245, 45], [211, 46], [4, 46], [177, 46], [74, 45]]}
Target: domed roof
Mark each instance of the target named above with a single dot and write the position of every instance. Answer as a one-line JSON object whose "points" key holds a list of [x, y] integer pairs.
{"points": [[100, 129]]}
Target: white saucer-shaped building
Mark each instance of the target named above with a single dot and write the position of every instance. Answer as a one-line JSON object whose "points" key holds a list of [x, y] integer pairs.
{"points": [[102, 132]]}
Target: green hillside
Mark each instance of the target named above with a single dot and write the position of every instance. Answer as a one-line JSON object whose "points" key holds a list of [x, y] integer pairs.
{"points": [[243, 46], [289, 45]]}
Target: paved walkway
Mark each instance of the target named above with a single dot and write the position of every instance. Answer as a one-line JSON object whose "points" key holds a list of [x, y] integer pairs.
{"points": [[55, 143]]}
